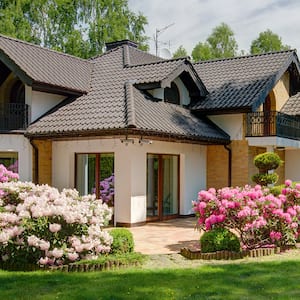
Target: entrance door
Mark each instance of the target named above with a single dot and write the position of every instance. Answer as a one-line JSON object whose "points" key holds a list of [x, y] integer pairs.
{"points": [[162, 186]]}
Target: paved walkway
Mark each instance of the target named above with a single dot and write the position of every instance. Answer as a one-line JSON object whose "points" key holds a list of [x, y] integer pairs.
{"points": [[166, 237]]}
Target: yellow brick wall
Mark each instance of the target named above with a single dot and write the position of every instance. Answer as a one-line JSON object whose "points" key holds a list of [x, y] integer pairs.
{"points": [[217, 166], [45, 161], [240, 166]]}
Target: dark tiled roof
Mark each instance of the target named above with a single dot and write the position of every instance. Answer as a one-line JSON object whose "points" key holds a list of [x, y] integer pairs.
{"points": [[292, 106], [241, 83], [114, 104], [169, 118], [44, 66]]}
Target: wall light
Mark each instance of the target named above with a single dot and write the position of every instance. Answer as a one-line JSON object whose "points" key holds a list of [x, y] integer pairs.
{"points": [[127, 141], [143, 141]]}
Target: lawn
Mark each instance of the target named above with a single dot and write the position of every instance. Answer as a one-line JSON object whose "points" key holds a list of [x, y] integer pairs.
{"points": [[249, 279]]}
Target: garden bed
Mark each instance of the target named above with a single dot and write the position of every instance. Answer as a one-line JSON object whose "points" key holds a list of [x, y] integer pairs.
{"points": [[227, 255]]}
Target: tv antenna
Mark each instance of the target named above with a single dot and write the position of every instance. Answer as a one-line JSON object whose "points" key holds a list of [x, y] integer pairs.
{"points": [[157, 33]]}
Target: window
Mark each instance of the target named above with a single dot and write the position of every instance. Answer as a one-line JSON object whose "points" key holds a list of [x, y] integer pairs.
{"points": [[95, 175], [10, 161], [171, 94], [162, 186]]}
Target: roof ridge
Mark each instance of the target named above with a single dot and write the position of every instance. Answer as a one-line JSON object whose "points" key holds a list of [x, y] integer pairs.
{"points": [[130, 110], [41, 47], [244, 56], [158, 62]]}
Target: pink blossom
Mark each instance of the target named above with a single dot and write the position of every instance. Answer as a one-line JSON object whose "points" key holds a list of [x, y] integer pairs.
{"points": [[72, 256], [33, 241], [44, 245], [54, 227], [43, 260], [57, 253], [291, 211], [288, 183], [275, 236]]}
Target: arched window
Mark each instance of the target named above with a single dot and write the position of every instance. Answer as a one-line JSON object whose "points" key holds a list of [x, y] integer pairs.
{"points": [[171, 94], [17, 92]]}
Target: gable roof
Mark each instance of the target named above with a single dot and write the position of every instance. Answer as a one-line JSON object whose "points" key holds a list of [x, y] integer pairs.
{"points": [[40, 67], [292, 106], [114, 104], [241, 83]]}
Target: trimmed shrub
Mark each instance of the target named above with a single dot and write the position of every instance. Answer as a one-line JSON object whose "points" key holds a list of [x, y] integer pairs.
{"points": [[122, 241], [265, 179], [267, 161], [219, 239]]}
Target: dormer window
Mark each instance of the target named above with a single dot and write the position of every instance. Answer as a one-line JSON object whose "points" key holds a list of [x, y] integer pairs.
{"points": [[171, 94]]}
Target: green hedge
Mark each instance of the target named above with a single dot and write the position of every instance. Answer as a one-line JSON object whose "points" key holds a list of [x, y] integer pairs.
{"points": [[219, 239], [122, 241]]}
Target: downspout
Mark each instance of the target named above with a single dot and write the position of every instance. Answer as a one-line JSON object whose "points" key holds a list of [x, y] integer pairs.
{"points": [[36, 160], [227, 147]]}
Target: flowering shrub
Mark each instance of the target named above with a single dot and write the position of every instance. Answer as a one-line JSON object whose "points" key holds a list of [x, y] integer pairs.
{"points": [[107, 190], [259, 217], [40, 225]]}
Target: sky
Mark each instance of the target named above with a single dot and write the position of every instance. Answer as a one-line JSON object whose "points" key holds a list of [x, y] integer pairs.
{"points": [[191, 21]]}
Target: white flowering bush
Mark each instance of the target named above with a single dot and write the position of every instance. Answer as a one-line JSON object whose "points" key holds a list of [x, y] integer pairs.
{"points": [[40, 225]]}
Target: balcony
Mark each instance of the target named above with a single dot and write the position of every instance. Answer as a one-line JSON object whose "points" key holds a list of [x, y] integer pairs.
{"points": [[273, 123], [13, 116]]}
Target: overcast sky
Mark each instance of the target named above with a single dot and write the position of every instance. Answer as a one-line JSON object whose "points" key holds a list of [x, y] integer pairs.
{"points": [[194, 20]]}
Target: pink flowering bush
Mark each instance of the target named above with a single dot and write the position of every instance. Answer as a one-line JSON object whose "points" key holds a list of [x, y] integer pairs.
{"points": [[257, 216], [40, 225]]}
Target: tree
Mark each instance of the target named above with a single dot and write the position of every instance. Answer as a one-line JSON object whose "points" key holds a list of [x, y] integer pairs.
{"points": [[180, 52], [267, 41], [202, 51], [220, 44], [72, 26]]}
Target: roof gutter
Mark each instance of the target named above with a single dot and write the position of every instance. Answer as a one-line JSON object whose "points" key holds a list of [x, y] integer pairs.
{"points": [[228, 148]]}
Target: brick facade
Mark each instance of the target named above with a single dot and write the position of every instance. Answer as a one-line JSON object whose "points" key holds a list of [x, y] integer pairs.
{"points": [[217, 166], [44, 161]]}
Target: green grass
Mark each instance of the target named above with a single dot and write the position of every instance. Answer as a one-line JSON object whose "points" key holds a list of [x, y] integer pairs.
{"points": [[249, 279]]}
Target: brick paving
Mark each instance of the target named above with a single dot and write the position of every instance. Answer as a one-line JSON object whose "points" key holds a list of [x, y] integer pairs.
{"points": [[166, 237]]}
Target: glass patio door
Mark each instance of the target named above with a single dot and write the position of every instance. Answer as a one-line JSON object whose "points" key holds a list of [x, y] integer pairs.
{"points": [[162, 186]]}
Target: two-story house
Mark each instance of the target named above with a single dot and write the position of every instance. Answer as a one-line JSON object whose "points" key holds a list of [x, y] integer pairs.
{"points": [[144, 133]]}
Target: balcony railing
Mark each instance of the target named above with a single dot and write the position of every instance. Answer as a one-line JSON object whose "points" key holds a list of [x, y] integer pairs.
{"points": [[13, 116], [273, 123]]}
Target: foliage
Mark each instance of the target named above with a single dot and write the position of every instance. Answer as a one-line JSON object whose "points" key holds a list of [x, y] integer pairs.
{"points": [[265, 162], [267, 41], [40, 225], [202, 51], [219, 239], [122, 241], [265, 179], [180, 52], [220, 44], [259, 217], [76, 27]]}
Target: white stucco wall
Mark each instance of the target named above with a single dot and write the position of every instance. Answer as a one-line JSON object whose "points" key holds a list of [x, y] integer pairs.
{"points": [[42, 102], [18, 143], [130, 171], [292, 164], [232, 124]]}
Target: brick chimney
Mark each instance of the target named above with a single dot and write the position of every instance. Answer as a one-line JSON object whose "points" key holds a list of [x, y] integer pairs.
{"points": [[116, 44]]}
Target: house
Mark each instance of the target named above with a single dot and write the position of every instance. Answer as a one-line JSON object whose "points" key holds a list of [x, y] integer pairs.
{"points": [[144, 133]]}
